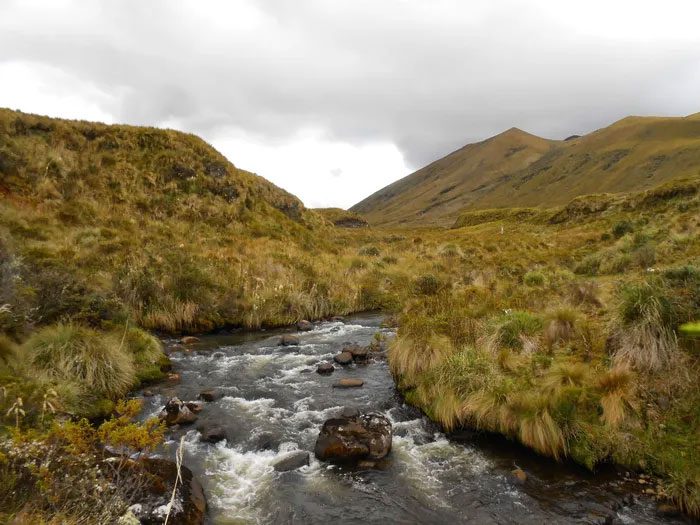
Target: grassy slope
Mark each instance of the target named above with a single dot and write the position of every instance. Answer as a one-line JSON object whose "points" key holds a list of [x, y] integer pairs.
{"points": [[633, 154]]}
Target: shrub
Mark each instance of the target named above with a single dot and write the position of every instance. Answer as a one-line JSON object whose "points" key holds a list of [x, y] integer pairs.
{"points": [[369, 251], [428, 284], [589, 265], [621, 228], [77, 354], [533, 278], [617, 263]]}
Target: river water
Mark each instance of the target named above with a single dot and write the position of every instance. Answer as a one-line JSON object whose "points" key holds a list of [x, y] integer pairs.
{"points": [[274, 402]]}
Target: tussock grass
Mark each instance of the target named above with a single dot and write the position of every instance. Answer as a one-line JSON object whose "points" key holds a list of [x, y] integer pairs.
{"points": [[617, 394], [76, 354]]}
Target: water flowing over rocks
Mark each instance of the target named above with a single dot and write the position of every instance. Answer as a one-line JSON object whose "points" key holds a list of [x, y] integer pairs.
{"points": [[354, 438], [292, 461], [288, 340], [305, 326]]}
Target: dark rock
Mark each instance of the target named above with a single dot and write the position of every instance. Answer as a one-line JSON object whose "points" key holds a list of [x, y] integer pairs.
{"points": [[150, 505], [343, 358], [337, 319], [288, 340], [325, 368], [292, 461], [209, 395], [349, 383], [667, 510], [304, 326], [351, 439], [519, 475], [264, 441], [212, 434], [189, 340], [175, 412], [218, 355], [359, 353]]}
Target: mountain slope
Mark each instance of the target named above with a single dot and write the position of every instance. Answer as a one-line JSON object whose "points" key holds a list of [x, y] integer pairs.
{"points": [[635, 153], [436, 193]]}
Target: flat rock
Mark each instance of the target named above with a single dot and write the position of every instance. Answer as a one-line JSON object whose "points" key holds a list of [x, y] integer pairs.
{"points": [[292, 461], [288, 340], [349, 382], [325, 368], [209, 395], [343, 358]]}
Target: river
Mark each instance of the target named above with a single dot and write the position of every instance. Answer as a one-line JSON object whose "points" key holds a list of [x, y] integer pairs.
{"points": [[274, 401]]}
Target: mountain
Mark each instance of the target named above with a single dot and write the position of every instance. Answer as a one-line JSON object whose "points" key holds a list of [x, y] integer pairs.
{"points": [[517, 169]]}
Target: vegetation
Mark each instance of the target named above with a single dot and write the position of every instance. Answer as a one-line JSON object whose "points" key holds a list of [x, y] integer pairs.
{"points": [[570, 329]]}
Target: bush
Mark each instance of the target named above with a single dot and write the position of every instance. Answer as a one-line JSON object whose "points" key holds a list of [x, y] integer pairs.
{"points": [[621, 228], [533, 278], [428, 284], [369, 251], [98, 362]]}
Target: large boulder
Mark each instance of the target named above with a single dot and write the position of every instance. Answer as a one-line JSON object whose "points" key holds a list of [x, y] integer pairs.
{"points": [[352, 438], [152, 504], [291, 461], [304, 326], [288, 340], [175, 412]]}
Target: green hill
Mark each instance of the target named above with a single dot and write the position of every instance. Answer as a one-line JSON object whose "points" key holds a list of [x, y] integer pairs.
{"points": [[515, 169]]}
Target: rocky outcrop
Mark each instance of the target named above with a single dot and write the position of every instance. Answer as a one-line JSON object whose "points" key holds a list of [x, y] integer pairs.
{"points": [[353, 437], [176, 412], [288, 340], [190, 505], [291, 461]]}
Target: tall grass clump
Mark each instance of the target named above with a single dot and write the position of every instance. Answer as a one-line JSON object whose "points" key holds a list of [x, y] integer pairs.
{"points": [[514, 330], [616, 387], [72, 353]]}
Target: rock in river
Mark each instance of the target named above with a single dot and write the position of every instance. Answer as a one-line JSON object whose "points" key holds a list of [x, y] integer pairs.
{"points": [[355, 438], [210, 394], [189, 340], [288, 340], [175, 412], [304, 326], [325, 368], [212, 434], [343, 358], [292, 461], [349, 382]]}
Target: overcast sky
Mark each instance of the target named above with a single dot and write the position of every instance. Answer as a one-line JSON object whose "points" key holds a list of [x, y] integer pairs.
{"points": [[334, 99]]}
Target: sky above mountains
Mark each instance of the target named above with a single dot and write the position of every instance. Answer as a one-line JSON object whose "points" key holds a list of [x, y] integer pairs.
{"points": [[333, 100]]}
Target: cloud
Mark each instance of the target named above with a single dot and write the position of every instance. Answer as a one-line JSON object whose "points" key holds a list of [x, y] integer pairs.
{"points": [[397, 83]]}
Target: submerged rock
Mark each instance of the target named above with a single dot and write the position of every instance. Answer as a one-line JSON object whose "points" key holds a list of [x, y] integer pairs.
{"points": [[212, 434], [343, 358], [337, 319], [349, 382], [325, 368], [356, 438], [304, 326], [189, 340], [292, 461], [288, 340], [209, 395], [176, 412]]}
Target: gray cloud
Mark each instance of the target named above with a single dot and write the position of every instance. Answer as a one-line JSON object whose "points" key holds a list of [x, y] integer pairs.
{"points": [[426, 76]]}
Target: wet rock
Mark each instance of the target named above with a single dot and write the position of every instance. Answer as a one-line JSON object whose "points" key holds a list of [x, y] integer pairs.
{"points": [[366, 463], [343, 358], [194, 406], [218, 355], [212, 434], [175, 412], [292, 461], [337, 319], [519, 475], [174, 377], [151, 505], [305, 326], [352, 439], [147, 393], [189, 340], [349, 382], [325, 368], [288, 340], [264, 441], [209, 395], [360, 354]]}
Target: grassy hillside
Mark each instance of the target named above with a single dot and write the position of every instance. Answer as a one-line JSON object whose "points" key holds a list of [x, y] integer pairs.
{"points": [[633, 154]]}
